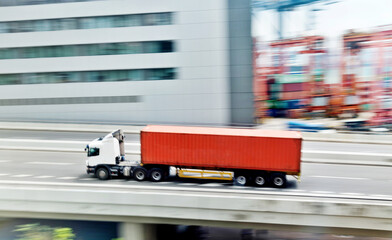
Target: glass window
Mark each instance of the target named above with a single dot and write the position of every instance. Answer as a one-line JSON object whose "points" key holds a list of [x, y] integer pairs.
{"points": [[103, 49], [121, 48], [26, 26], [87, 23], [166, 46], [148, 19], [41, 78], [120, 21], [40, 52], [69, 51], [135, 47], [103, 22], [14, 27], [152, 47], [162, 19], [2, 54], [8, 79], [122, 75], [3, 27], [57, 51], [74, 77], [109, 75], [134, 20], [160, 74], [42, 25], [92, 49], [61, 77], [10, 53], [94, 77], [93, 152], [81, 50], [5, 3], [27, 53], [135, 75], [69, 23], [28, 78], [56, 25]]}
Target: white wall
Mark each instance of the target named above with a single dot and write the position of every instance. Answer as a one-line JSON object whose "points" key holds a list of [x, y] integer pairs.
{"points": [[200, 94]]}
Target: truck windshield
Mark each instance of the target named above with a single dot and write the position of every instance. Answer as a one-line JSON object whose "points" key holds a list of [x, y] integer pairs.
{"points": [[92, 152]]}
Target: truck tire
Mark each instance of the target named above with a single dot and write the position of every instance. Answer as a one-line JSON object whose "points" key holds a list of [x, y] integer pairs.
{"points": [[102, 173], [260, 180], [156, 175], [240, 179], [278, 180], [140, 174]]}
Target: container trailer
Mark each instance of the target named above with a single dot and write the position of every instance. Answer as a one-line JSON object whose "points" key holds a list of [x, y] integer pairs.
{"points": [[246, 156]]}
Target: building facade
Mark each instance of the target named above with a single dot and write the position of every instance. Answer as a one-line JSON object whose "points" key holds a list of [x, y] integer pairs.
{"points": [[130, 61]]}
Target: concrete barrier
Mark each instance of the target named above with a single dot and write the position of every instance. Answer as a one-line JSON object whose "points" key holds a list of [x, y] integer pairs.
{"points": [[196, 207], [129, 129], [133, 152]]}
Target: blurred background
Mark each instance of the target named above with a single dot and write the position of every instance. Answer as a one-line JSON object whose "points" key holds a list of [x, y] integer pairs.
{"points": [[330, 59], [70, 70]]}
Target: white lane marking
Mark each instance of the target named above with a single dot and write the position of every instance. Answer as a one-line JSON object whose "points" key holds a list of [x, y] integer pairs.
{"points": [[239, 187], [51, 186], [349, 193], [51, 163], [322, 192], [4, 161], [21, 175], [56, 141], [380, 195], [348, 178], [86, 179], [187, 184], [162, 182], [66, 178], [349, 153], [294, 190], [212, 185], [44, 177], [4, 174]]}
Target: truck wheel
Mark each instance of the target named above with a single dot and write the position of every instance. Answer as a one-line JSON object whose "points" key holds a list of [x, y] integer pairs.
{"points": [[240, 180], [278, 180], [140, 174], [260, 180], [156, 175], [102, 173]]}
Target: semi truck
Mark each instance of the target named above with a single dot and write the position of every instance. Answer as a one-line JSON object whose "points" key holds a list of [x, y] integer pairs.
{"points": [[245, 156]]}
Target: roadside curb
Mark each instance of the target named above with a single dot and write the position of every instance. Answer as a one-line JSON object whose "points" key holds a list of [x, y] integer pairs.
{"points": [[350, 162], [348, 138], [307, 136], [68, 127]]}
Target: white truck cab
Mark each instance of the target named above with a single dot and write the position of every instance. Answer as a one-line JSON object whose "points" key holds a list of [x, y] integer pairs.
{"points": [[106, 156], [103, 151]]}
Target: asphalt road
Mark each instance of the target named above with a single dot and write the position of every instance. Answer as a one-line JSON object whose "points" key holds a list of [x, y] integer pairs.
{"points": [[317, 179], [67, 169], [89, 136], [61, 135]]}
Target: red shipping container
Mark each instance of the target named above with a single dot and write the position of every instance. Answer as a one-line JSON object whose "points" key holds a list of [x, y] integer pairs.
{"points": [[293, 87], [222, 148], [293, 95]]}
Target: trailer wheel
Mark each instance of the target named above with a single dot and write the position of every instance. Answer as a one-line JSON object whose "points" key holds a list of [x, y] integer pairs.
{"points": [[156, 175], [240, 180], [260, 180], [278, 180], [140, 174], [102, 173]]}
